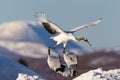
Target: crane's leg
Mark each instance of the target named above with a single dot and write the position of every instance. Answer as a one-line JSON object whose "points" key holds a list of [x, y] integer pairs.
{"points": [[64, 50], [64, 45], [54, 74]]}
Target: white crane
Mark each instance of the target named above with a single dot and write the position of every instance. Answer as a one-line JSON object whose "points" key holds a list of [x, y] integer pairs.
{"points": [[53, 61], [63, 36], [55, 64], [71, 59]]}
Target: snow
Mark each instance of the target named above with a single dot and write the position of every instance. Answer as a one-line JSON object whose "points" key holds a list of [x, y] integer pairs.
{"points": [[18, 31], [99, 74], [27, 49], [23, 76], [21, 38], [30, 39], [10, 69]]}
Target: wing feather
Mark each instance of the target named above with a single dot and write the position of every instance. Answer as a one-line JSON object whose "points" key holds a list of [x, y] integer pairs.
{"points": [[85, 26], [51, 27]]}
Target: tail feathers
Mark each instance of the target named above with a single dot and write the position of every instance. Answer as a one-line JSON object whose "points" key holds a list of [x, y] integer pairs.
{"points": [[40, 15], [61, 69]]}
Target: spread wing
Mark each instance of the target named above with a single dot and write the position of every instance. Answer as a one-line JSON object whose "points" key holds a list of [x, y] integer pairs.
{"points": [[85, 26], [49, 26], [52, 28]]}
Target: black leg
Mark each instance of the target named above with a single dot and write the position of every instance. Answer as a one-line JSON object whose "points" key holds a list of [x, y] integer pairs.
{"points": [[76, 66], [64, 50], [54, 74]]}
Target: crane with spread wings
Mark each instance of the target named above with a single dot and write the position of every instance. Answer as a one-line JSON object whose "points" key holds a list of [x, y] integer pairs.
{"points": [[62, 36]]}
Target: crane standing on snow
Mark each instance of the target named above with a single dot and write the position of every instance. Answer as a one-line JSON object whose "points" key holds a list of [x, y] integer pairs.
{"points": [[63, 36]]}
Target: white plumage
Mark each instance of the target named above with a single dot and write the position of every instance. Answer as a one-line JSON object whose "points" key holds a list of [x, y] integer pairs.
{"points": [[53, 61], [70, 59], [63, 36], [55, 64]]}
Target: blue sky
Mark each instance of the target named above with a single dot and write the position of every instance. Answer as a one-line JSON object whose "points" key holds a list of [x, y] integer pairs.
{"points": [[69, 14]]}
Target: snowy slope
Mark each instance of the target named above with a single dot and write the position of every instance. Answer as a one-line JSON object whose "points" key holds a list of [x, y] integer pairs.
{"points": [[9, 54], [18, 31], [27, 49], [100, 74], [28, 38], [10, 69], [23, 76]]}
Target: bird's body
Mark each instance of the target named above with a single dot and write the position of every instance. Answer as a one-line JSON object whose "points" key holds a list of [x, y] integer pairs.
{"points": [[70, 59], [55, 64], [64, 36], [53, 61]]}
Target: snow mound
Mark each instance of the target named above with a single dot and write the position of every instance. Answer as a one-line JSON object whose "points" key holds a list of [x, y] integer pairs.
{"points": [[10, 69], [26, 48], [23, 76], [100, 74], [18, 31], [20, 37]]}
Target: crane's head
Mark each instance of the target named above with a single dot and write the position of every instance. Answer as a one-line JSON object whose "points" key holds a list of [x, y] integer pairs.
{"points": [[84, 39]]}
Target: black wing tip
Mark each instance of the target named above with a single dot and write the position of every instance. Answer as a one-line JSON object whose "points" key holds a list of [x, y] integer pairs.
{"points": [[48, 28]]}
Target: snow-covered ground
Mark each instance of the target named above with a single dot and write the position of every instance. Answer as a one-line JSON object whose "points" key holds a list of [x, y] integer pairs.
{"points": [[10, 69], [99, 74], [27, 49], [23, 76], [18, 31]]}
